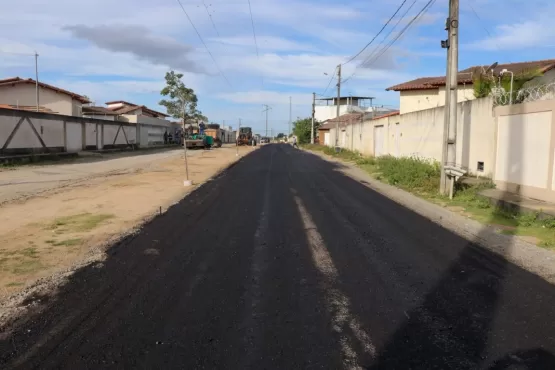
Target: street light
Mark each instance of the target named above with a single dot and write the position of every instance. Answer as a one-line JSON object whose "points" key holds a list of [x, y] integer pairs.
{"points": [[512, 78]]}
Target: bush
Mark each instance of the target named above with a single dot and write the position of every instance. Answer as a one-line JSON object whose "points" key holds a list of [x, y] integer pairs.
{"points": [[410, 172]]}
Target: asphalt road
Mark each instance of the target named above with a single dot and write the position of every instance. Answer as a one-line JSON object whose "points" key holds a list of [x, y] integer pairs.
{"points": [[285, 263]]}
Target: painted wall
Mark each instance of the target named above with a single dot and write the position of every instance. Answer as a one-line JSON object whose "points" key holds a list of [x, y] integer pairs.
{"points": [[525, 153], [24, 94], [415, 100], [420, 134]]}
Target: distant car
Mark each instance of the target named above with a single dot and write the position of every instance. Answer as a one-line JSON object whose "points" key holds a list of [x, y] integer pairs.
{"points": [[264, 140]]}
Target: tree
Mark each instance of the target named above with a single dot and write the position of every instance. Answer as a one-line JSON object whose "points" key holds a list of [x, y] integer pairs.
{"points": [[302, 127], [183, 100], [280, 135]]}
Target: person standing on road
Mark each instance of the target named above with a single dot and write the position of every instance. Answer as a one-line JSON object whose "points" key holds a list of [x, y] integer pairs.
{"points": [[295, 142]]}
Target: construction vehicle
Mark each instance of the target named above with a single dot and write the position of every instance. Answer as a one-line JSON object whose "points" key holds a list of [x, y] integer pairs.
{"points": [[213, 130], [245, 136]]}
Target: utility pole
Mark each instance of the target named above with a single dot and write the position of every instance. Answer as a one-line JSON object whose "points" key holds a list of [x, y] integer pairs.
{"points": [[187, 182], [290, 116], [313, 107], [237, 139], [443, 188], [337, 113], [37, 78], [266, 110], [449, 149]]}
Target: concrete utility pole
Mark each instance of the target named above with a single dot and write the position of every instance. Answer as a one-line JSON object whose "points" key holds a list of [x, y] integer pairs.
{"points": [[187, 182], [290, 115], [37, 78], [266, 110], [313, 107], [237, 139], [337, 102], [443, 185], [449, 152]]}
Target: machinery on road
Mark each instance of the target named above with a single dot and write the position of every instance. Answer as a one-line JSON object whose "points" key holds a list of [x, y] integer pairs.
{"points": [[245, 136], [213, 130]]}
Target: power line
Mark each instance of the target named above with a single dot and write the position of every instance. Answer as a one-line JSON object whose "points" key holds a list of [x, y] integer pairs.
{"points": [[484, 27], [210, 16], [371, 41], [14, 53], [254, 36], [329, 83], [367, 62], [383, 40], [202, 40]]}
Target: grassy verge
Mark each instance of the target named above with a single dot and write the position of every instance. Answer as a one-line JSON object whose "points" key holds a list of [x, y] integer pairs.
{"points": [[421, 177]]}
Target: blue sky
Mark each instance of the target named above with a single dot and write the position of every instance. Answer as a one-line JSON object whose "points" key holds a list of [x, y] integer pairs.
{"points": [[121, 50]]}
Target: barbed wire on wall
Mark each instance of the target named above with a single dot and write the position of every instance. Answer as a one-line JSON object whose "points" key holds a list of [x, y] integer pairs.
{"points": [[526, 94]]}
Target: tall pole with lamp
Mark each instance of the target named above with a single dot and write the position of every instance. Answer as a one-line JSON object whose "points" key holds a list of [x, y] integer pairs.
{"points": [[511, 88]]}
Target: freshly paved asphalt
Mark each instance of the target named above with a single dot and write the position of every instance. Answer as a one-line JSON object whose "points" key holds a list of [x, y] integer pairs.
{"points": [[283, 262]]}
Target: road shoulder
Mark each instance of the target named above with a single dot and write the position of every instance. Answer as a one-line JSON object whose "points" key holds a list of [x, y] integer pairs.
{"points": [[526, 255]]}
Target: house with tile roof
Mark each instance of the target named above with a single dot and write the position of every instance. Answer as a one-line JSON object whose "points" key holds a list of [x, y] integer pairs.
{"points": [[429, 92], [124, 107], [20, 92]]}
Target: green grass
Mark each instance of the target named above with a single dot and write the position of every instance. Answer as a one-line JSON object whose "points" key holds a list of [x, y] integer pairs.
{"points": [[78, 223], [14, 284], [421, 177], [25, 266], [68, 242]]}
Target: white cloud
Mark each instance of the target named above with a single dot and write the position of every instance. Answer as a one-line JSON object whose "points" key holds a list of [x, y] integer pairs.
{"points": [[525, 35]]}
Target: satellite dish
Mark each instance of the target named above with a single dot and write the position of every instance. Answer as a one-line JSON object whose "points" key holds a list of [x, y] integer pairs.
{"points": [[492, 67]]}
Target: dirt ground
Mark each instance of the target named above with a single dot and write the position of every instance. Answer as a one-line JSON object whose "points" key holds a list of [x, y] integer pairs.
{"points": [[53, 229]]}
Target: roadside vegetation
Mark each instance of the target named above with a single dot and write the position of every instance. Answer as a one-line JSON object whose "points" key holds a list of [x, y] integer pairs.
{"points": [[421, 177]]}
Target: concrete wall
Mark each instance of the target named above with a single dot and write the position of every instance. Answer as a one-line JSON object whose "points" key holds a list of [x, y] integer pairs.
{"points": [[23, 132], [24, 94], [525, 154], [415, 100], [421, 134]]}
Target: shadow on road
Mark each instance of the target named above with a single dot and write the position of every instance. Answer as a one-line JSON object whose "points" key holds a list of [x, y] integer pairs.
{"points": [[461, 306]]}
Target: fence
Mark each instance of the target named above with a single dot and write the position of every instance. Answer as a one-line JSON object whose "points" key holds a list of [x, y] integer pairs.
{"points": [[524, 95], [23, 132]]}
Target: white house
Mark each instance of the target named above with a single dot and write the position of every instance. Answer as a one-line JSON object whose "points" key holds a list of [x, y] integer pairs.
{"points": [[429, 92], [326, 108], [16, 91]]}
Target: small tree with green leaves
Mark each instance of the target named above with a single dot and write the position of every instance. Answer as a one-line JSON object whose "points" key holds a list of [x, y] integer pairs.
{"points": [[484, 83], [182, 102], [302, 128]]}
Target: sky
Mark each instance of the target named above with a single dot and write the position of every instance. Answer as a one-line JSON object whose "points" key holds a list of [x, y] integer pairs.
{"points": [[121, 50]]}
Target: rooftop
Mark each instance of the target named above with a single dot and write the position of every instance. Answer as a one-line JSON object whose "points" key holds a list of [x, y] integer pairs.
{"points": [[98, 111], [348, 97], [29, 108], [465, 76], [18, 80]]}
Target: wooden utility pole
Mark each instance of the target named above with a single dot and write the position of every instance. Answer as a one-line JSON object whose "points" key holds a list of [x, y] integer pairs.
{"points": [[313, 107], [449, 149], [337, 102]]}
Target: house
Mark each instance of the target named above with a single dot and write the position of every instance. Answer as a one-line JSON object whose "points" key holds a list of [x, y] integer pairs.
{"points": [[429, 92], [341, 121], [122, 107], [326, 108], [19, 92], [99, 113]]}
